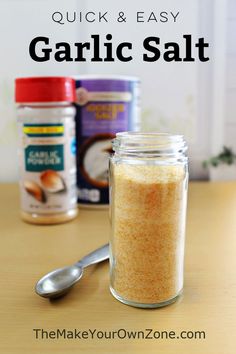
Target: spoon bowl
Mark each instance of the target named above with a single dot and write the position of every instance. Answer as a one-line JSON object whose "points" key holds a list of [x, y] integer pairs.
{"points": [[59, 281], [51, 284]]}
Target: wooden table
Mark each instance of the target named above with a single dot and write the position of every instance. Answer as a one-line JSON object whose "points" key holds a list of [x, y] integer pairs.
{"points": [[208, 303]]}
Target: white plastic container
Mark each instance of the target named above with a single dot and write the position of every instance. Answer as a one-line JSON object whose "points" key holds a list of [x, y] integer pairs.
{"points": [[47, 149]]}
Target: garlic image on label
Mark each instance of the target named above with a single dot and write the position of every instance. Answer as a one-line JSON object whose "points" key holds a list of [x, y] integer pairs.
{"points": [[52, 181], [35, 191]]}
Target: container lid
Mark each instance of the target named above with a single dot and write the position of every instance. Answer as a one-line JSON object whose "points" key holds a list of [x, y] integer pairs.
{"points": [[44, 89], [107, 77]]}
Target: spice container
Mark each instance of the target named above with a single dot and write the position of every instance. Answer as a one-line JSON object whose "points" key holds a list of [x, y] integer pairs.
{"points": [[47, 149], [105, 106], [148, 187]]}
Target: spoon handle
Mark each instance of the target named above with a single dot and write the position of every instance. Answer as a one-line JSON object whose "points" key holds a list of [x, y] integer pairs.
{"points": [[99, 255]]}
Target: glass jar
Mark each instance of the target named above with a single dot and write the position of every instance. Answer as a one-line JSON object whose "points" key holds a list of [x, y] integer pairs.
{"points": [[47, 149], [148, 191]]}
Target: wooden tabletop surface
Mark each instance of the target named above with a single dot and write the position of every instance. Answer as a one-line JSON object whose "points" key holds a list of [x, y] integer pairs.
{"points": [[208, 304]]}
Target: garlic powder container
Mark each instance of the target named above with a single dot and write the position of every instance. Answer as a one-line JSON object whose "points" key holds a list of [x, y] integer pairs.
{"points": [[47, 149]]}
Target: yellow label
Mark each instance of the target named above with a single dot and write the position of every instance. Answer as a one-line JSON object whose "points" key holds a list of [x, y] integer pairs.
{"points": [[43, 130], [105, 111]]}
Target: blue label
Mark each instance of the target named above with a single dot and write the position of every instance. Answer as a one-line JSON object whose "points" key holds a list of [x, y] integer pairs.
{"points": [[43, 157]]}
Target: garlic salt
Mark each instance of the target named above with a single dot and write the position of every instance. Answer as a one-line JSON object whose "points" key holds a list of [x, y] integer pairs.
{"points": [[148, 180], [47, 149]]}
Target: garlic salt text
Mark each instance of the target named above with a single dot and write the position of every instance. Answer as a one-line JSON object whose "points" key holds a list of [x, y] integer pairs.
{"points": [[41, 50]]}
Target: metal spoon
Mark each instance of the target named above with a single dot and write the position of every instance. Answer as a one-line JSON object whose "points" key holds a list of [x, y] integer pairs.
{"points": [[59, 281]]}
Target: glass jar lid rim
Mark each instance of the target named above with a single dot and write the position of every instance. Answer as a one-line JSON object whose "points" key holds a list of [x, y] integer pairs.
{"points": [[160, 143], [149, 135]]}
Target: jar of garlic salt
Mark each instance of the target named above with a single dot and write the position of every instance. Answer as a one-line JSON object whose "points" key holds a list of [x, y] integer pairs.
{"points": [[47, 149], [148, 189]]}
